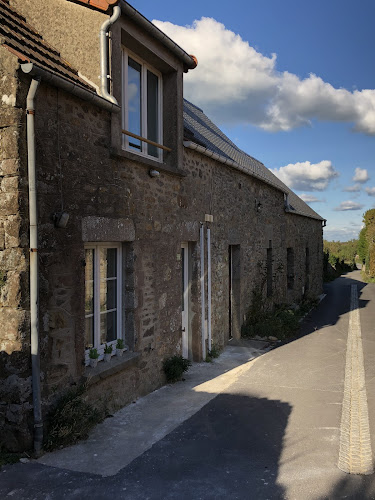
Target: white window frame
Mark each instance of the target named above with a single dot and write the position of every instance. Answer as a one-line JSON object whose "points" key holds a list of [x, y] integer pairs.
{"points": [[100, 347], [125, 121]]}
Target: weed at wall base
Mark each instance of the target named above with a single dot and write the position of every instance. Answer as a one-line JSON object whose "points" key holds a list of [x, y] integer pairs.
{"points": [[72, 419]]}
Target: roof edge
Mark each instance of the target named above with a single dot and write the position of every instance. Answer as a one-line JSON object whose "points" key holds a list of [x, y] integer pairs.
{"points": [[222, 159], [230, 163], [190, 62], [73, 88]]}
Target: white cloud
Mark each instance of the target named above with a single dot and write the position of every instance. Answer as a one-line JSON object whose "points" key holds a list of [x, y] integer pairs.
{"points": [[309, 198], [361, 175], [306, 176], [348, 205], [235, 83], [337, 233], [353, 189], [370, 191]]}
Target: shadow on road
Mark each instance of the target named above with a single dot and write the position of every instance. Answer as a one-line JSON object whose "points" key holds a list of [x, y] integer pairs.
{"points": [[334, 305], [353, 487], [229, 449]]}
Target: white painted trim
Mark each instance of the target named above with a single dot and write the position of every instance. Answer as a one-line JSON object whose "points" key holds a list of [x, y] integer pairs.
{"points": [[203, 293], [209, 287], [185, 312]]}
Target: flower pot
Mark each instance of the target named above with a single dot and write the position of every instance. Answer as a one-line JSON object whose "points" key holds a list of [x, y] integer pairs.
{"points": [[93, 362], [107, 357], [119, 352]]}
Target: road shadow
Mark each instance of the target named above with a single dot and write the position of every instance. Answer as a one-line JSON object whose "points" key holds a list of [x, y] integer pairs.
{"points": [[332, 307], [353, 488], [229, 449]]}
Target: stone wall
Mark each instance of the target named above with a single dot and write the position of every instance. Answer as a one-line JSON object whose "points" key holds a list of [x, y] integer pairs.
{"points": [[15, 383], [78, 174]]}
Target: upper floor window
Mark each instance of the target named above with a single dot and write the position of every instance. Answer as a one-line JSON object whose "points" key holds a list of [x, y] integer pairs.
{"points": [[142, 107]]}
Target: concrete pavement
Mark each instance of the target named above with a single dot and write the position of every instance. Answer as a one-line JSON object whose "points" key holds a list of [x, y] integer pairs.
{"points": [[245, 427]]}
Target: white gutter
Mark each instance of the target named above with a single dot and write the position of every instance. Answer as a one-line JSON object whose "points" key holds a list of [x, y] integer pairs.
{"points": [[209, 286], [60, 82], [34, 278], [230, 163], [203, 292], [104, 44]]}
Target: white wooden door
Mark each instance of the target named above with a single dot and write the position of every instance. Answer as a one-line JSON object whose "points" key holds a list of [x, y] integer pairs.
{"points": [[185, 299]]}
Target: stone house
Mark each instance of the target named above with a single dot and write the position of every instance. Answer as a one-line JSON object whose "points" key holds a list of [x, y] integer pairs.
{"points": [[124, 212]]}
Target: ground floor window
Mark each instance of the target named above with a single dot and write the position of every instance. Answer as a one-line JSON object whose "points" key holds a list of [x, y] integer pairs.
{"points": [[103, 283]]}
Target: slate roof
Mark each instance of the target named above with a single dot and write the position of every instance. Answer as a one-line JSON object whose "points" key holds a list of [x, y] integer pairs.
{"points": [[200, 130], [26, 43]]}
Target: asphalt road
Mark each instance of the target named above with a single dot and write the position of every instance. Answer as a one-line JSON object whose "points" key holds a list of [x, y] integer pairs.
{"points": [[273, 432]]}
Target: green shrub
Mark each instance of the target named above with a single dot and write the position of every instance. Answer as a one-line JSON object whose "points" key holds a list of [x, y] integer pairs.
{"points": [[174, 367], [213, 353]]}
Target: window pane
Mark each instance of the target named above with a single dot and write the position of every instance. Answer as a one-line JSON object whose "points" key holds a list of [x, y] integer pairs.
{"points": [[152, 112], [89, 259], [108, 281], [111, 262], [134, 92], [108, 327], [89, 281], [108, 263], [108, 295], [89, 332]]}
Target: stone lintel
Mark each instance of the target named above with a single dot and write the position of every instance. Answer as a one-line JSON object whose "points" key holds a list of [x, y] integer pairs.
{"points": [[105, 229]]}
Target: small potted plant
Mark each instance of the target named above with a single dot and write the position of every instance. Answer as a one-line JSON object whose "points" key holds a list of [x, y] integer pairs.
{"points": [[93, 355], [120, 347], [107, 352]]}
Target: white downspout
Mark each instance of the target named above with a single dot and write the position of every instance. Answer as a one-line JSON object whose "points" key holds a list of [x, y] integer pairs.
{"points": [[103, 36], [203, 292], [34, 278], [209, 286]]}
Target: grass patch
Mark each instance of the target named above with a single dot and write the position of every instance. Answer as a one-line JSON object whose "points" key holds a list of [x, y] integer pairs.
{"points": [[174, 367], [71, 419], [366, 278]]}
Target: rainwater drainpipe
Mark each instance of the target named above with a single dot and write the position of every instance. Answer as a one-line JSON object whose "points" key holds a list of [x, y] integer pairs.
{"points": [[209, 285], [203, 292], [34, 278], [104, 44]]}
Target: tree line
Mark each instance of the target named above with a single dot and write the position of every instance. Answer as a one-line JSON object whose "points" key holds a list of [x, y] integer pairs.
{"points": [[341, 257], [366, 244]]}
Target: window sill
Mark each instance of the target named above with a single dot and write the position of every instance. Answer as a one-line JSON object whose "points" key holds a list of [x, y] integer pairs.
{"points": [[157, 165], [106, 369]]}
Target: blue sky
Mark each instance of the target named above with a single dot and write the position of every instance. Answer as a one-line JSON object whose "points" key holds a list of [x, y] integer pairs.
{"points": [[292, 84]]}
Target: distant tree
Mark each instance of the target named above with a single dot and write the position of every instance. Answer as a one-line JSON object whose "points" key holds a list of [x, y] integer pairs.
{"points": [[362, 245], [367, 243]]}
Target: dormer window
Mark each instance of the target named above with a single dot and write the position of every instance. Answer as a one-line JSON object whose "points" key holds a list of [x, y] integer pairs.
{"points": [[142, 109]]}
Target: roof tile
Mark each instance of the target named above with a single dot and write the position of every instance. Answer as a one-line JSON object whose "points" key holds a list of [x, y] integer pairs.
{"points": [[27, 44], [99, 4]]}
